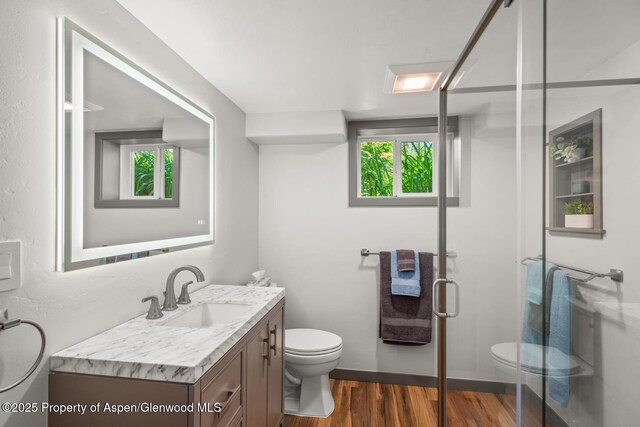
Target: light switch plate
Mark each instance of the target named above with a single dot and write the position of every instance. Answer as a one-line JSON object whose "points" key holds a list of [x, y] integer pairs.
{"points": [[9, 266]]}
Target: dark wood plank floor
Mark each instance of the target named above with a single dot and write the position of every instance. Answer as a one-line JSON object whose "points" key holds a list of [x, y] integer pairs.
{"points": [[386, 405]]}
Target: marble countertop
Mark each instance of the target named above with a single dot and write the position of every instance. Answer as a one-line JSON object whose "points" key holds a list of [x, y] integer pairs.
{"points": [[147, 349]]}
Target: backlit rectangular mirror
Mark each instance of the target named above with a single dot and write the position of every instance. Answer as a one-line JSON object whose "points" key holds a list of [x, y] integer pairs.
{"points": [[135, 159]]}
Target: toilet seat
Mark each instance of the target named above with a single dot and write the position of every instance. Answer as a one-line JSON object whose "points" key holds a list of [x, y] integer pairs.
{"points": [[311, 342], [557, 363]]}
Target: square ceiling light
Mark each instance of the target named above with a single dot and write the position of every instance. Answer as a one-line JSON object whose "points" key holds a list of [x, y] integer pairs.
{"points": [[410, 78], [421, 82]]}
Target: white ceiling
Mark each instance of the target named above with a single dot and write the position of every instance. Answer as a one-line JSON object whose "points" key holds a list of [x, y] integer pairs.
{"points": [[317, 55], [127, 103], [312, 55]]}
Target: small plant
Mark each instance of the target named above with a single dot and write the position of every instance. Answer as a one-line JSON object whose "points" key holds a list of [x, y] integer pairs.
{"points": [[578, 207], [568, 149]]}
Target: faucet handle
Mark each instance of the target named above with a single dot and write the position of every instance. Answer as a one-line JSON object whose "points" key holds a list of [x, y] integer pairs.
{"points": [[154, 309], [184, 297]]}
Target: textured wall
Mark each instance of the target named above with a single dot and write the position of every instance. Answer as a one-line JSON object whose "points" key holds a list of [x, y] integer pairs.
{"points": [[73, 306]]}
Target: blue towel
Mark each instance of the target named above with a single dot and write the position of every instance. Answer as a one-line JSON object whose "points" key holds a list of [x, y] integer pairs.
{"points": [[560, 335], [405, 283], [535, 280], [559, 332]]}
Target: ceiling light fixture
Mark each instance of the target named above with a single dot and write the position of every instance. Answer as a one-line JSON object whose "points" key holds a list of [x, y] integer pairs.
{"points": [[412, 83], [423, 82], [411, 78]]}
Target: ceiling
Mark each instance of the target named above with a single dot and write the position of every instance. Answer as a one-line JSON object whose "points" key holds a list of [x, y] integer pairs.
{"points": [[312, 55], [127, 103], [317, 55]]}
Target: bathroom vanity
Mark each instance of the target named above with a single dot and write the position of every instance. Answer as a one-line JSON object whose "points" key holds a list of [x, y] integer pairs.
{"points": [[215, 362]]}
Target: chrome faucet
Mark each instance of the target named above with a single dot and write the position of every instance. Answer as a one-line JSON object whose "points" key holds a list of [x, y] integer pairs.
{"points": [[169, 295], [154, 308]]}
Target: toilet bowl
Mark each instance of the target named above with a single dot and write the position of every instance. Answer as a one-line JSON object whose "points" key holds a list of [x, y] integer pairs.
{"points": [[557, 364], [309, 356]]}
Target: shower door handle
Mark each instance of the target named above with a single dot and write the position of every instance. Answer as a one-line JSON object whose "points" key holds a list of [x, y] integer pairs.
{"points": [[435, 298]]}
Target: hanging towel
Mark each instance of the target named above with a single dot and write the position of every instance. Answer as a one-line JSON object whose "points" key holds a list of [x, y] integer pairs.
{"points": [[539, 318], [405, 320], [559, 333], [406, 260], [535, 280], [405, 283]]}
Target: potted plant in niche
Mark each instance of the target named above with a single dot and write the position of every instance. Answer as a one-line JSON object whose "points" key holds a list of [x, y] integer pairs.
{"points": [[571, 150], [578, 214]]}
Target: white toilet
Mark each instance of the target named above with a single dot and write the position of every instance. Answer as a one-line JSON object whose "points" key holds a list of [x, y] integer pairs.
{"points": [[578, 364], [309, 356], [505, 360]]}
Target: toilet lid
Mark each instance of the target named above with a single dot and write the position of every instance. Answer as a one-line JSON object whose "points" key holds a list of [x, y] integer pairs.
{"points": [[311, 342], [558, 363]]}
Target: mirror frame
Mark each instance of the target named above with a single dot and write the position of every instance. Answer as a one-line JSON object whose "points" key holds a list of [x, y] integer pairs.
{"points": [[70, 253]]}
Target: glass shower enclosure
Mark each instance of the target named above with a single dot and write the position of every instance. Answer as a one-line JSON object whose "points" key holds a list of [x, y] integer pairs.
{"points": [[547, 97]]}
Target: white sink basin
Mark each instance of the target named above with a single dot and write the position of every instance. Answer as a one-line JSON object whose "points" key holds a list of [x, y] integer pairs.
{"points": [[208, 315]]}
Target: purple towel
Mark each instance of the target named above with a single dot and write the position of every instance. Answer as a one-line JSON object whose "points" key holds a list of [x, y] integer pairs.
{"points": [[406, 260], [406, 320]]}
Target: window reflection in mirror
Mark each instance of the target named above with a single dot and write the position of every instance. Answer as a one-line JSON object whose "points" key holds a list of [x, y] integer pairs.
{"points": [[132, 166]]}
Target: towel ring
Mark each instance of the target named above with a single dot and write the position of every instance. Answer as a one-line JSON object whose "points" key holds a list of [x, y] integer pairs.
{"points": [[10, 324]]}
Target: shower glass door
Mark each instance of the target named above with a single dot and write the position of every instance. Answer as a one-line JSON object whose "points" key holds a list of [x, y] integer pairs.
{"points": [[548, 101], [499, 220]]}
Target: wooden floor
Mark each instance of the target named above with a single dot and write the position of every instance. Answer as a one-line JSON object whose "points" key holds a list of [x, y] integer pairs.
{"points": [[386, 405]]}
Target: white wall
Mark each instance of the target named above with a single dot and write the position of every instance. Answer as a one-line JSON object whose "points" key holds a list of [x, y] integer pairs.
{"points": [[73, 306], [608, 397], [310, 241], [610, 340]]}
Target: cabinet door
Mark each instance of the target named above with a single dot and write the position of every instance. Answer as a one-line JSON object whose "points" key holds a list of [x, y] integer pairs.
{"points": [[225, 389], [275, 398], [257, 376]]}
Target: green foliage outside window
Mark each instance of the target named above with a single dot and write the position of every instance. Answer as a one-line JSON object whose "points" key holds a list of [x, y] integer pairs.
{"points": [[417, 167], [168, 174], [376, 168], [143, 169]]}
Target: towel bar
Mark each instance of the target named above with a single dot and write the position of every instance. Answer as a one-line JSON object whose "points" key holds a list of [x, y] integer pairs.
{"points": [[614, 274], [367, 252]]}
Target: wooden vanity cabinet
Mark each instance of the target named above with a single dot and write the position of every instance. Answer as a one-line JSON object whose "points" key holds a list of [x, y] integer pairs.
{"points": [[265, 374], [275, 386], [247, 383]]}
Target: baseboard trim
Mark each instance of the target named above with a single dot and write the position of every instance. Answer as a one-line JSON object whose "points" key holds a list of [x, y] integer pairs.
{"points": [[481, 386]]}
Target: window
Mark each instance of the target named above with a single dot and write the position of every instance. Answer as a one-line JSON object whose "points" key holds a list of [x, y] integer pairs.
{"points": [[146, 172], [136, 169], [410, 172], [393, 162]]}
